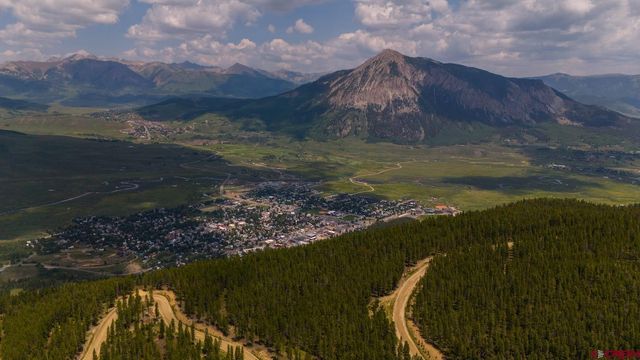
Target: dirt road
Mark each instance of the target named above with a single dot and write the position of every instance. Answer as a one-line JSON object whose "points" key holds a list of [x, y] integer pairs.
{"points": [[356, 181], [98, 335], [400, 299], [169, 310]]}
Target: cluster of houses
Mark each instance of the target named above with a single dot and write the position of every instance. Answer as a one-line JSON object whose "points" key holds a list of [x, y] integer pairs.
{"points": [[273, 215]]}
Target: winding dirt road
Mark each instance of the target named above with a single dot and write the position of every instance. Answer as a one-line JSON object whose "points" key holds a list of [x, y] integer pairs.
{"points": [[98, 335], [400, 299], [356, 181], [169, 310]]}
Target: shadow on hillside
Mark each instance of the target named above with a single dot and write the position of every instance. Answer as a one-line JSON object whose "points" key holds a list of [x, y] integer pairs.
{"points": [[523, 184]]}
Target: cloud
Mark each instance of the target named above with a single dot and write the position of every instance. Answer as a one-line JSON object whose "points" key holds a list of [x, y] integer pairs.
{"points": [[526, 37], [185, 19], [284, 5], [522, 37], [51, 20], [393, 14], [26, 53], [301, 27]]}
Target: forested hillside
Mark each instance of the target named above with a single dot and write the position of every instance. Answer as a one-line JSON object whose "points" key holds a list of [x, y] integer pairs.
{"points": [[317, 298], [565, 288], [140, 334], [52, 324]]}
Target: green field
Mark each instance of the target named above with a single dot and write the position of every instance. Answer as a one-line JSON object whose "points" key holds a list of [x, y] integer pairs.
{"points": [[37, 172], [469, 177], [46, 181]]}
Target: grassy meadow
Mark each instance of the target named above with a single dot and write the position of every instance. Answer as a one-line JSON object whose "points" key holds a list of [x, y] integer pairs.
{"points": [[57, 162]]}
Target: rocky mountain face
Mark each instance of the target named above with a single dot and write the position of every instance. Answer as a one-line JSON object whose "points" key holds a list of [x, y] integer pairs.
{"points": [[392, 96], [615, 91], [92, 81]]}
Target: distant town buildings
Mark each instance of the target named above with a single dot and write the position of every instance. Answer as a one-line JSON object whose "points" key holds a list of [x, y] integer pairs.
{"points": [[272, 215]]}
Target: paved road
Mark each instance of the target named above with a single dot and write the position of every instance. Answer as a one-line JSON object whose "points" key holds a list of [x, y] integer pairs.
{"points": [[403, 295]]}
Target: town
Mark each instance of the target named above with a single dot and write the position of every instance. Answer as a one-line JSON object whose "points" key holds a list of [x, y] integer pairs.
{"points": [[271, 215]]}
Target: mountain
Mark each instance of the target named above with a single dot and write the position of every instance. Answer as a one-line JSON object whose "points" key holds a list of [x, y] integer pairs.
{"points": [[86, 80], [76, 70], [107, 75], [405, 99], [70, 78], [297, 77], [615, 91]]}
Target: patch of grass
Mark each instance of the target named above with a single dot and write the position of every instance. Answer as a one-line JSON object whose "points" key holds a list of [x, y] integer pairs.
{"points": [[468, 176], [46, 181], [13, 251], [77, 125]]}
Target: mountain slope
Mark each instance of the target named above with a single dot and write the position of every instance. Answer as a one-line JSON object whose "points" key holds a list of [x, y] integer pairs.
{"points": [[404, 99], [236, 81], [108, 75], [617, 92], [84, 80]]}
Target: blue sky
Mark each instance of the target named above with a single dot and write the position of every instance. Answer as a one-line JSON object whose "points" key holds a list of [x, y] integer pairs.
{"points": [[520, 38]]}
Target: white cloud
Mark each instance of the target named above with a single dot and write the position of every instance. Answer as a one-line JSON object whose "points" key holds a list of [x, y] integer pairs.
{"points": [[181, 19], [39, 20], [301, 27], [392, 14], [511, 37], [185, 19], [284, 5], [26, 53], [522, 37]]}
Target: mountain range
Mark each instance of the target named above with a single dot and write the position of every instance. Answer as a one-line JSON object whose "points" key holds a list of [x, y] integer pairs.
{"points": [[85, 80], [404, 99], [615, 91]]}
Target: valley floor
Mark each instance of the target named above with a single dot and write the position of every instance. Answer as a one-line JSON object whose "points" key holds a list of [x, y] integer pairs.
{"points": [[122, 171]]}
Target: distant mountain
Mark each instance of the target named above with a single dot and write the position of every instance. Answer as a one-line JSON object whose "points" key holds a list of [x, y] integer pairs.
{"points": [[615, 91], [296, 77], [404, 99], [107, 75], [69, 78], [85, 80]]}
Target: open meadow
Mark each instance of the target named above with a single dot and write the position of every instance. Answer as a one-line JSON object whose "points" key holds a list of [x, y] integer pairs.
{"points": [[80, 165]]}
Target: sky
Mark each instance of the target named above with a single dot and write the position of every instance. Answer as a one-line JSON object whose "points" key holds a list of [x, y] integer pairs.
{"points": [[510, 37]]}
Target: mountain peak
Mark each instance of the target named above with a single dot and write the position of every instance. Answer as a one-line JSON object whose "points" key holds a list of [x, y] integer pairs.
{"points": [[389, 55], [399, 97], [79, 55], [238, 68], [387, 81]]}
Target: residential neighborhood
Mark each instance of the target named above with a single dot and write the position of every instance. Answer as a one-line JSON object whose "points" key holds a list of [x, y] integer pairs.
{"points": [[271, 215]]}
